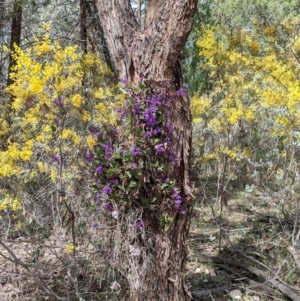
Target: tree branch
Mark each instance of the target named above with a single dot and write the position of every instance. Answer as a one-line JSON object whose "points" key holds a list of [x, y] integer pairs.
{"points": [[120, 25], [137, 53], [168, 24]]}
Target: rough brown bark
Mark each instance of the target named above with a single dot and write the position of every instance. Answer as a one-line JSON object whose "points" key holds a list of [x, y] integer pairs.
{"points": [[15, 35], [139, 12], [83, 26], [95, 34], [2, 18], [153, 54]]}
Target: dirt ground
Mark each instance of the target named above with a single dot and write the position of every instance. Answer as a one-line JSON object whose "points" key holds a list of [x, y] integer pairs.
{"points": [[233, 247], [241, 251]]}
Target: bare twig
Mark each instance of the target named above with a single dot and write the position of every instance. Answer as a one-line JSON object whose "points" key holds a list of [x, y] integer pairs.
{"points": [[257, 272]]}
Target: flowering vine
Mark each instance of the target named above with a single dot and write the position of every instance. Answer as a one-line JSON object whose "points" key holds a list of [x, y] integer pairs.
{"points": [[132, 164]]}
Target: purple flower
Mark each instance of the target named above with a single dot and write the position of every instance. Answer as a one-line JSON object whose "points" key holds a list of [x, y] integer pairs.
{"points": [[95, 136], [116, 131], [136, 110], [172, 157], [156, 100], [149, 116], [114, 181], [93, 129], [55, 158], [136, 151], [59, 102], [124, 81], [177, 198], [181, 92], [147, 134], [99, 169], [140, 225], [106, 190], [178, 203], [108, 150], [176, 195], [134, 166], [122, 113], [107, 206], [167, 141], [163, 96], [95, 225], [89, 156], [170, 127], [156, 131], [160, 148]]}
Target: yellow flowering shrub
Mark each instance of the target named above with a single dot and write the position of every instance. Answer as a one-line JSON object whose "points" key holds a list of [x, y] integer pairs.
{"points": [[7, 202], [57, 93], [255, 95]]}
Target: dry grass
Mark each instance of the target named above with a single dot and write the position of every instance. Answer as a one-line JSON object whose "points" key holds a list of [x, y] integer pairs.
{"points": [[252, 229]]}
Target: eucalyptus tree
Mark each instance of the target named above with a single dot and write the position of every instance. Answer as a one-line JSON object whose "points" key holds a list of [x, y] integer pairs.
{"points": [[152, 52]]}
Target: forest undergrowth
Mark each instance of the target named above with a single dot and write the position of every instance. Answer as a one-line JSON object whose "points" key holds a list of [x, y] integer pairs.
{"points": [[249, 230], [248, 245]]}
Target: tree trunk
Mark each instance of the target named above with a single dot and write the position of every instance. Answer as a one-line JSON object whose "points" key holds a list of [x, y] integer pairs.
{"points": [[95, 34], [2, 18], [139, 12], [15, 35], [83, 26], [153, 54]]}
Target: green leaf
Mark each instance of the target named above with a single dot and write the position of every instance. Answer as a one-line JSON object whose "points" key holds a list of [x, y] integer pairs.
{"points": [[142, 86], [212, 237], [164, 185], [153, 200], [166, 227], [123, 90], [156, 164], [115, 170], [132, 184], [138, 132]]}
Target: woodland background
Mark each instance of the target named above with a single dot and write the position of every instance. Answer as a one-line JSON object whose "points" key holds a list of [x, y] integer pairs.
{"points": [[241, 67]]}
